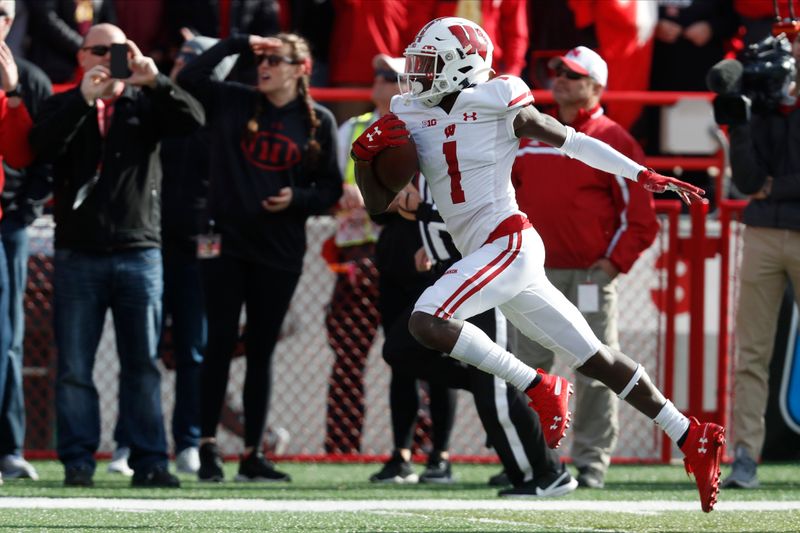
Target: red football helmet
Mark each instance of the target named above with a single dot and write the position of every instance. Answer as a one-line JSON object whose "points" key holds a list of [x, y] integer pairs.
{"points": [[447, 55]]}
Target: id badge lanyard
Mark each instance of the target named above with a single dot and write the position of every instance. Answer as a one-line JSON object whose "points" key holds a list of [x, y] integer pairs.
{"points": [[588, 295], [209, 245]]}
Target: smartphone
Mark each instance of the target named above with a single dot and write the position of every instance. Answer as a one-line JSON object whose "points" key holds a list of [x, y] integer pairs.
{"points": [[119, 61]]}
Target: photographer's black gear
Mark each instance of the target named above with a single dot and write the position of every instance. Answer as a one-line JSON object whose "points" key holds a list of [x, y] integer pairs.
{"points": [[769, 69], [759, 80], [731, 107]]}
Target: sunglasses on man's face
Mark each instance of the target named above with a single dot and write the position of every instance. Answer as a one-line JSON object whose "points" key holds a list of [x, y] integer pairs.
{"points": [[386, 75], [97, 50], [275, 60], [570, 74]]}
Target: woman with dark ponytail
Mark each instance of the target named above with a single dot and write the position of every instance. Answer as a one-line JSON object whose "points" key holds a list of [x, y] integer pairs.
{"points": [[273, 164]]}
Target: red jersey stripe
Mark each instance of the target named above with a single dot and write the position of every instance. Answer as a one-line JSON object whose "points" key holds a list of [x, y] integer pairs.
{"points": [[521, 97]]}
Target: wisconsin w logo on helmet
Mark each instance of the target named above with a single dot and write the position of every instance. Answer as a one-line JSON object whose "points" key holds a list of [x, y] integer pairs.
{"points": [[472, 39], [447, 55]]}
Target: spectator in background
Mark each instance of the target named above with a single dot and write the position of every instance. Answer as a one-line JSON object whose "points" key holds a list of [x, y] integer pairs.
{"points": [[690, 38], [401, 282], [624, 32], [57, 29], [273, 164], [225, 18], [758, 16], [15, 123], [506, 24], [185, 232], [144, 21], [766, 164], [363, 29], [610, 226], [551, 24], [314, 19], [103, 138], [351, 317], [24, 194]]}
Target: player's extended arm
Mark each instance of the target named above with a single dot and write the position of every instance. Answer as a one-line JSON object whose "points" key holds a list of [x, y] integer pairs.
{"points": [[377, 196], [595, 153]]}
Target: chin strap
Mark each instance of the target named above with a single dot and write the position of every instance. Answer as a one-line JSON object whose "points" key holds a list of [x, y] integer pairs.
{"points": [[632, 383]]}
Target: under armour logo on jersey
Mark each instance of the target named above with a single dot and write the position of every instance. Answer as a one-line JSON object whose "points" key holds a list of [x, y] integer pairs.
{"points": [[702, 449], [371, 136], [556, 420], [471, 116], [450, 130]]}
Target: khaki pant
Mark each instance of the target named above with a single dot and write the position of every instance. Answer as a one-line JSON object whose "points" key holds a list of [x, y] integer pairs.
{"points": [[769, 256], [595, 425]]}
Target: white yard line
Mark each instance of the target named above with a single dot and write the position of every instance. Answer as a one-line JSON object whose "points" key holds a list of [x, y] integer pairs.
{"points": [[323, 506]]}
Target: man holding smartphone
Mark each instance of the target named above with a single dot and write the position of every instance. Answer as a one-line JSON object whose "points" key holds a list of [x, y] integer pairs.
{"points": [[103, 139]]}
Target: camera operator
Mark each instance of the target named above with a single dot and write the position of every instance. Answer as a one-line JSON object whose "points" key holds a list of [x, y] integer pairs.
{"points": [[766, 166]]}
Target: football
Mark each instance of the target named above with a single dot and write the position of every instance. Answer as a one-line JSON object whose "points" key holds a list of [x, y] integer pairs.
{"points": [[396, 166]]}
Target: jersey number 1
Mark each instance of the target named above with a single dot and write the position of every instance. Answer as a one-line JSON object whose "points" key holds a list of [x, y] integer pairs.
{"points": [[456, 192]]}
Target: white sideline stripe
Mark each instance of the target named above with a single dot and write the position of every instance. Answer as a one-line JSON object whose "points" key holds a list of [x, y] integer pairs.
{"points": [[323, 506]]}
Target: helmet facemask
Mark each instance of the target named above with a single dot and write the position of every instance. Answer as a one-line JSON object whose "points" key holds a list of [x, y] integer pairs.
{"points": [[423, 78]]}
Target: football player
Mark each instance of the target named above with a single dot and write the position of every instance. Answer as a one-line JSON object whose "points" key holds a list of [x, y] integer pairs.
{"points": [[467, 128]]}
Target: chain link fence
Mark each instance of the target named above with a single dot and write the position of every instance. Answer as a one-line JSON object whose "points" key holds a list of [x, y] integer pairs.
{"points": [[304, 361]]}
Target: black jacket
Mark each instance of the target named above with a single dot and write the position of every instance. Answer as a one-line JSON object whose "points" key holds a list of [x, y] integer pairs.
{"points": [[769, 146], [123, 209], [184, 215], [246, 170], [26, 190]]}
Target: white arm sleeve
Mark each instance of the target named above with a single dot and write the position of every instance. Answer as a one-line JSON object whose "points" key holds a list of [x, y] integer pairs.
{"points": [[599, 155]]}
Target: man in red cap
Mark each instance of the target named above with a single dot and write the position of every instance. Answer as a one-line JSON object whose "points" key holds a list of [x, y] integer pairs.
{"points": [[587, 250]]}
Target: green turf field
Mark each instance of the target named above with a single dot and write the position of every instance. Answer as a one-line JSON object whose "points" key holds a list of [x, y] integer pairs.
{"points": [[338, 498]]}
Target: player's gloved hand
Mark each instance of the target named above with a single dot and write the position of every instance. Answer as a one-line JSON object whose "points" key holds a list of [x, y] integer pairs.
{"points": [[385, 132], [655, 182]]}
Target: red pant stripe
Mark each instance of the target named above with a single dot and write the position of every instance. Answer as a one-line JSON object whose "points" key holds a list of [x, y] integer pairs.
{"points": [[470, 285]]}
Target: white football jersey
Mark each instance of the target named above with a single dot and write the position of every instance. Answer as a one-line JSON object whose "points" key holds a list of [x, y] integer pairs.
{"points": [[466, 155]]}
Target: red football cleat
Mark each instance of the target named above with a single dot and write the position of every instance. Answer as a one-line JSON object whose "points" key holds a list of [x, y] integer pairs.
{"points": [[703, 451], [550, 400]]}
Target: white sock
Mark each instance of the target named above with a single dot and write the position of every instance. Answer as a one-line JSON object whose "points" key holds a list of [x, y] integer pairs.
{"points": [[474, 347], [672, 421]]}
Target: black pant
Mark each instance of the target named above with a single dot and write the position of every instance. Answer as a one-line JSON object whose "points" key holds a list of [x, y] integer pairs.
{"points": [[408, 427], [266, 292], [512, 427]]}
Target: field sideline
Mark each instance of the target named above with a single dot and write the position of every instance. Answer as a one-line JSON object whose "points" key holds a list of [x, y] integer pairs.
{"points": [[337, 498]]}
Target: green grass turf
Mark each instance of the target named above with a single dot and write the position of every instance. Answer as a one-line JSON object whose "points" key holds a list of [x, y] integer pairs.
{"points": [[780, 482]]}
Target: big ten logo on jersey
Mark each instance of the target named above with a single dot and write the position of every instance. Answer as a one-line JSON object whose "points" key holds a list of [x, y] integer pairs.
{"points": [[271, 151], [429, 122]]}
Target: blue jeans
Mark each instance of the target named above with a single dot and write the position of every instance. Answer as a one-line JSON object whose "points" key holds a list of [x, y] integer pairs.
{"points": [[183, 301], [6, 370], [12, 402], [86, 285]]}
